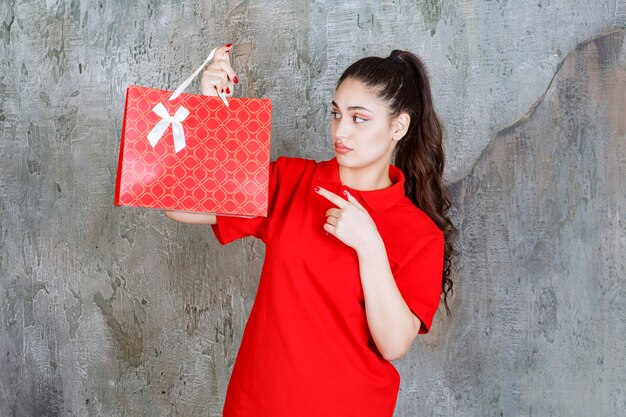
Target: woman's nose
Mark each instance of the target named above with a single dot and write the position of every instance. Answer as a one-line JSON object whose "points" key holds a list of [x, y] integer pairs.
{"points": [[342, 129]]}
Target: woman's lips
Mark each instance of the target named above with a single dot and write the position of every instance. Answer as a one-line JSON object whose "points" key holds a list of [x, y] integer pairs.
{"points": [[342, 149]]}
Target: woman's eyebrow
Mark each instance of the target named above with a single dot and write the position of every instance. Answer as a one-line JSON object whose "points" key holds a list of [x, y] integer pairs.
{"points": [[352, 108]]}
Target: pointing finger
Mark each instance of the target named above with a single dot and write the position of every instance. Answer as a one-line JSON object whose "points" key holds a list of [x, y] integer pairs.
{"points": [[332, 197], [354, 201]]}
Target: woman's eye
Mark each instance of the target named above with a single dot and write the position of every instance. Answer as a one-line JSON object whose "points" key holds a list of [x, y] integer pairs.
{"points": [[334, 115], [357, 119]]}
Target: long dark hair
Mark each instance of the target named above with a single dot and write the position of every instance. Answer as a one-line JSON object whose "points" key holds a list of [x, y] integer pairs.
{"points": [[401, 80]]}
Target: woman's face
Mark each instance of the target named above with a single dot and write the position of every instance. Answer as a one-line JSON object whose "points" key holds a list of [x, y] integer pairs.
{"points": [[362, 130]]}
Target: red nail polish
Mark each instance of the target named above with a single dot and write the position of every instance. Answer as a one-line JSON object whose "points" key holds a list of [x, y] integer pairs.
{"points": [[316, 189], [227, 90], [228, 45], [236, 80], [222, 90]]}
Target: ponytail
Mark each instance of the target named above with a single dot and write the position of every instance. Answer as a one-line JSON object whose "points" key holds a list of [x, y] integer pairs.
{"points": [[402, 81]]}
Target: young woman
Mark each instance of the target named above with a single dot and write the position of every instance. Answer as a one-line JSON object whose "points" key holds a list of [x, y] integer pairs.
{"points": [[357, 250]]}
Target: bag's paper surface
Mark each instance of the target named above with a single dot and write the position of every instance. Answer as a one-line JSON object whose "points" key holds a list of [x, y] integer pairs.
{"points": [[193, 153]]}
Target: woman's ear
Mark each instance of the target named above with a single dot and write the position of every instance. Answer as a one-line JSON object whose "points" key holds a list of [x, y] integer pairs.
{"points": [[400, 125]]}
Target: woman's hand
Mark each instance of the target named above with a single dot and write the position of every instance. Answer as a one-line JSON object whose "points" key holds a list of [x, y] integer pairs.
{"points": [[349, 221], [219, 75]]}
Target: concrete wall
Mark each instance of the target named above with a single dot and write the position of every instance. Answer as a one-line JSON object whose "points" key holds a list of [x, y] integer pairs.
{"points": [[113, 311]]}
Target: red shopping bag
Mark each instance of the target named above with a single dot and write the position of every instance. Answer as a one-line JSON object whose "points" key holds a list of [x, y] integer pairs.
{"points": [[195, 153]]}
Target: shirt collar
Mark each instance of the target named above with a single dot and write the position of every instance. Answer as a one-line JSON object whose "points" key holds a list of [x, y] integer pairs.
{"points": [[376, 200]]}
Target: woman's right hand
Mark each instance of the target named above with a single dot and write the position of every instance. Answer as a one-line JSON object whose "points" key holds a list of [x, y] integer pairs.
{"points": [[219, 75]]}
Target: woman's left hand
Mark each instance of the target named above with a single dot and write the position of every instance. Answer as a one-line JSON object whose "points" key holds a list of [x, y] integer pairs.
{"points": [[349, 221]]}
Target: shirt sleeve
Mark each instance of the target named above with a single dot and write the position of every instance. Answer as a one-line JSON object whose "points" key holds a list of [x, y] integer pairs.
{"points": [[419, 278], [229, 228]]}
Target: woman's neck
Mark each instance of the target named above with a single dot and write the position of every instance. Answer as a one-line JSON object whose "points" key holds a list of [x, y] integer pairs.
{"points": [[373, 177]]}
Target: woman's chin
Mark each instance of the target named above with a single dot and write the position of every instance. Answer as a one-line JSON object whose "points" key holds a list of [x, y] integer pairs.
{"points": [[344, 159]]}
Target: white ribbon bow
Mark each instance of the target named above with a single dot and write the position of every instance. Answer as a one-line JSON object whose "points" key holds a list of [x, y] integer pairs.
{"points": [[177, 128]]}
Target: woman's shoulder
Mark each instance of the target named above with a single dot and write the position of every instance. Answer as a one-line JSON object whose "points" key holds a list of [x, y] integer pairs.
{"points": [[406, 230], [420, 221]]}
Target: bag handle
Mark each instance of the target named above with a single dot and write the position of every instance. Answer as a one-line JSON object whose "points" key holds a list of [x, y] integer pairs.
{"points": [[188, 81]]}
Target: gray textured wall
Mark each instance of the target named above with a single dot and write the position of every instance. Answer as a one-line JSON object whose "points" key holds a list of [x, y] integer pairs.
{"points": [[114, 311]]}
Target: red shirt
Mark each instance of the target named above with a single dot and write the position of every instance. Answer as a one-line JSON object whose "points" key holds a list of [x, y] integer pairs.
{"points": [[307, 350]]}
